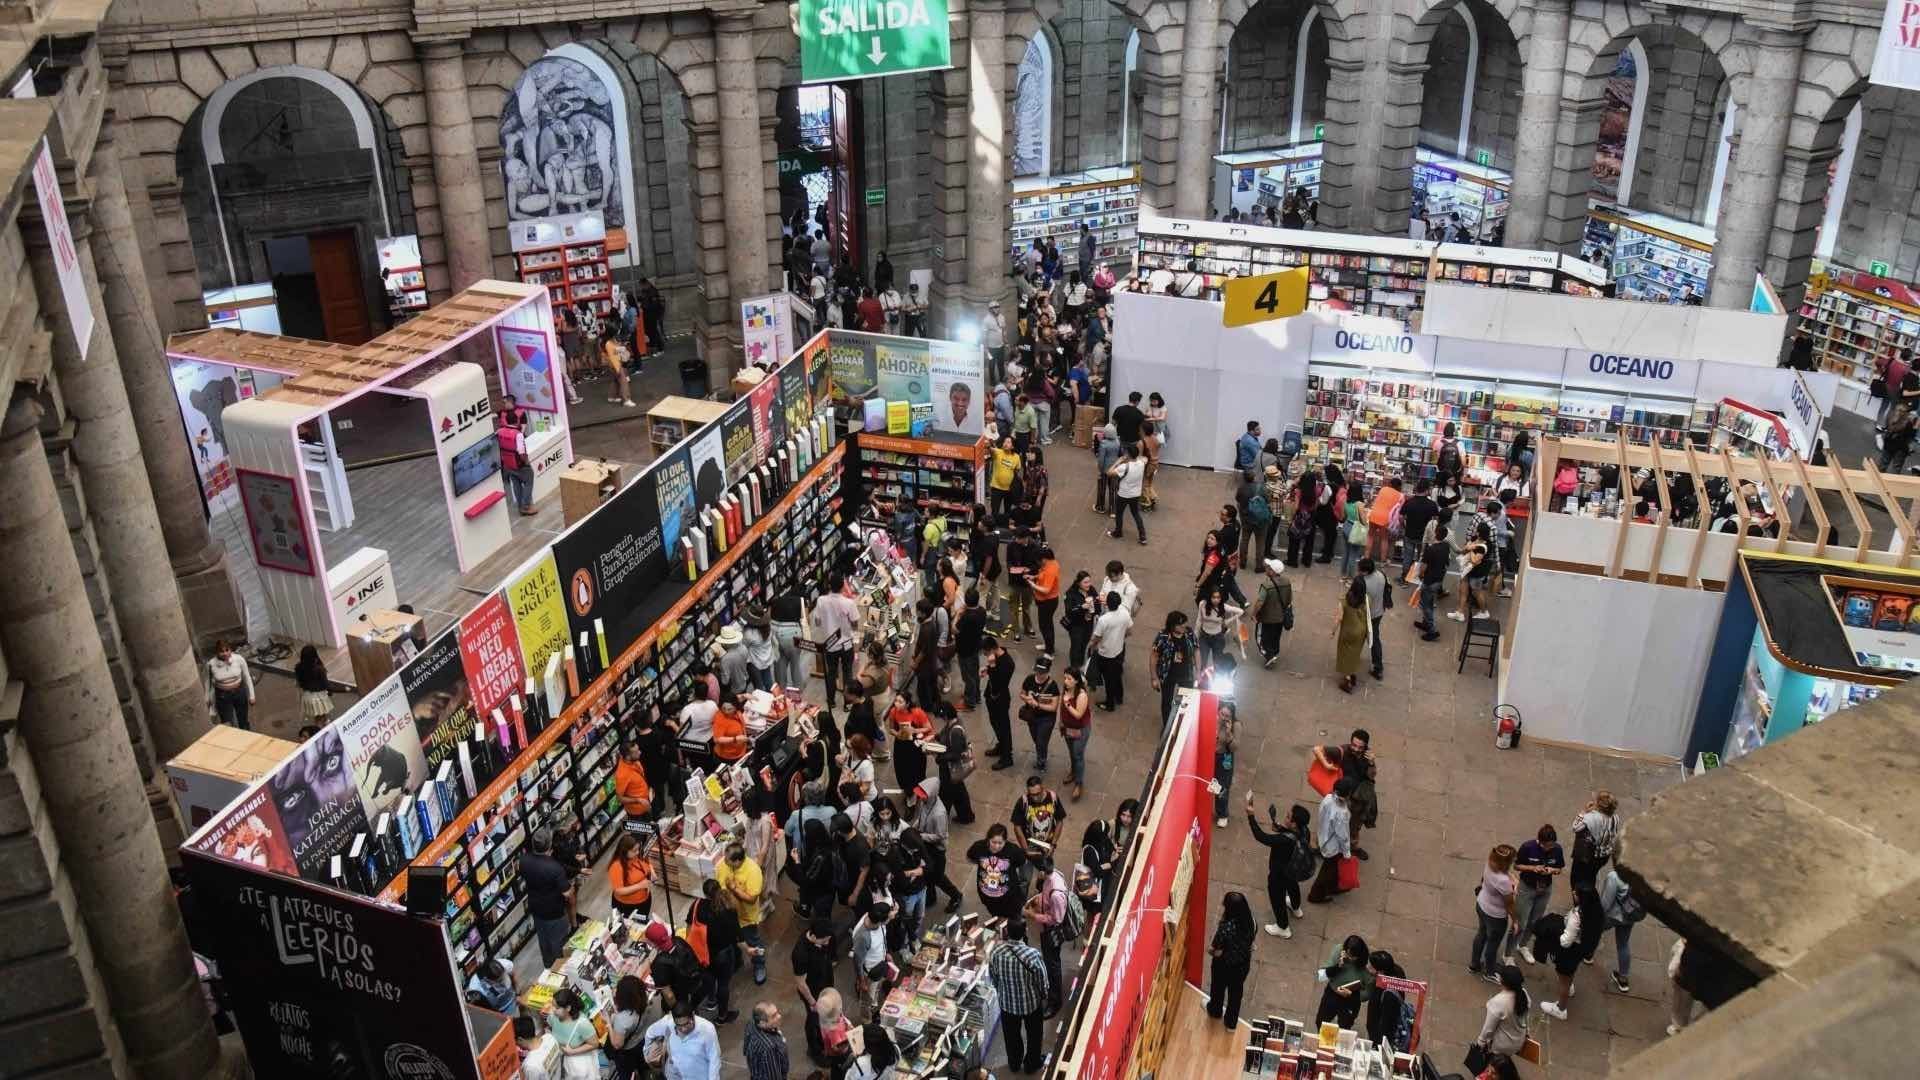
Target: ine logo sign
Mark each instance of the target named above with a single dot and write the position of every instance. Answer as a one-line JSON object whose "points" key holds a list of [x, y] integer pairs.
{"points": [[452, 427]]}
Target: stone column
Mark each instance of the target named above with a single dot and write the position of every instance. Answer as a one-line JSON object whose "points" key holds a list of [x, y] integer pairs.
{"points": [[947, 232], [1803, 204], [1373, 124], [1753, 191], [988, 256], [1160, 133], [73, 731], [743, 163], [119, 497], [456, 164], [1540, 82], [214, 605], [1199, 122]]}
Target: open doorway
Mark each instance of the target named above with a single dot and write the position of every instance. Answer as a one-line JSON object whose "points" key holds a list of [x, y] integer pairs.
{"points": [[319, 286], [819, 165]]}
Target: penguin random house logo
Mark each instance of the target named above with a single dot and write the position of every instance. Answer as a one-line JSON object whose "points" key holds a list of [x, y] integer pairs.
{"points": [[580, 592], [463, 420]]}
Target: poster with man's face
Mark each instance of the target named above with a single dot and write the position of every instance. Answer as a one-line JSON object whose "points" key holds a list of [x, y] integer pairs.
{"points": [[957, 373]]}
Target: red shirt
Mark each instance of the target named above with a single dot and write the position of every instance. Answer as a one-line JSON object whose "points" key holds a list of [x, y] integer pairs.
{"points": [[872, 317]]}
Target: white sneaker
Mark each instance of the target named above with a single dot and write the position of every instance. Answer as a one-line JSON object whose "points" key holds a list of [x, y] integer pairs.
{"points": [[1526, 954], [1456, 616], [1299, 913], [1553, 1010], [1220, 823], [1674, 1029], [1478, 615], [1278, 931]]}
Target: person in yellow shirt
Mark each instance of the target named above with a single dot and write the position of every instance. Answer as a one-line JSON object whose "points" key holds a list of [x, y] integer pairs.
{"points": [[1003, 468], [742, 882]]}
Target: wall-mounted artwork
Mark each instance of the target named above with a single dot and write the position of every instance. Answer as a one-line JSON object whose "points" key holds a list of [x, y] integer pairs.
{"points": [[563, 140]]}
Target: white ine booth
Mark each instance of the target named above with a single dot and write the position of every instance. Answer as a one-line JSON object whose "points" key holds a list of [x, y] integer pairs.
{"points": [[263, 443]]}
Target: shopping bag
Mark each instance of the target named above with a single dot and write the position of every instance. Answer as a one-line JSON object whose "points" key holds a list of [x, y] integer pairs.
{"points": [[1321, 778], [1349, 873]]}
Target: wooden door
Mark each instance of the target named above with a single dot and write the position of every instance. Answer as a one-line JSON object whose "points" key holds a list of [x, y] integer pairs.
{"points": [[337, 279], [845, 201]]}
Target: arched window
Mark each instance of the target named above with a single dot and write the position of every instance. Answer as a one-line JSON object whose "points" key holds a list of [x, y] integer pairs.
{"points": [[1128, 140], [1033, 109], [564, 143], [1618, 152]]}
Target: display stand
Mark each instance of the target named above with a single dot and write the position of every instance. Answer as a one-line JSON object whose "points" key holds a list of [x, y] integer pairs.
{"points": [[1652, 257], [940, 472], [1249, 180], [1445, 186], [1054, 207], [1857, 321], [943, 1016], [1369, 275], [673, 418], [570, 262]]}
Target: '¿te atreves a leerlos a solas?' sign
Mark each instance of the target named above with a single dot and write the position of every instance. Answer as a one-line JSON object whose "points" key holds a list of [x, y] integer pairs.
{"points": [[863, 39]]}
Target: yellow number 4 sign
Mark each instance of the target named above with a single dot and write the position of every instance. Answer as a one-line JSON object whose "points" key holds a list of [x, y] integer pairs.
{"points": [[1269, 296]]}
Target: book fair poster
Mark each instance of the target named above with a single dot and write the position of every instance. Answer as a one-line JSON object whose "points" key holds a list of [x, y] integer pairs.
{"points": [[319, 807], [526, 358], [383, 749], [539, 613], [250, 833], [490, 651], [437, 694], [738, 438]]}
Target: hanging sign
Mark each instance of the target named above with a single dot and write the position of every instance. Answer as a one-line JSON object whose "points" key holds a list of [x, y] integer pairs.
{"points": [[1373, 343], [863, 39], [1896, 59], [66, 256], [1267, 296], [1633, 374]]}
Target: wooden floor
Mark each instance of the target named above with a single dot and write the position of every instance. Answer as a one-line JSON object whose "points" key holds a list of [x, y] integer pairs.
{"points": [[1199, 1047]]}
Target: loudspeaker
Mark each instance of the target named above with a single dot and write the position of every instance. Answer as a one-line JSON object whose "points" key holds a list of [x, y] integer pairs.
{"points": [[427, 891]]}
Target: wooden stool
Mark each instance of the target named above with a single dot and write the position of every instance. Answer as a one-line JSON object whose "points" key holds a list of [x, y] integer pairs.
{"points": [[1480, 633]]}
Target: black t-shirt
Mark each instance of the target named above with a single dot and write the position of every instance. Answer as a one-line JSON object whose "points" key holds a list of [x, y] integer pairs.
{"points": [[855, 855], [1041, 822], [787, 607], [968, 631], [1000, 678], [814, 964], [1434, 560], [657, 746], [1126, 421], [547, 884], [1042, 687], [723, 926], [1414, 516], [996, 875], [1230, 538], [1910, 384]]}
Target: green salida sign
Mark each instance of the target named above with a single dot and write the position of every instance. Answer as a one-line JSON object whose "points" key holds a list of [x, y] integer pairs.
{"points": [[864, 39]]}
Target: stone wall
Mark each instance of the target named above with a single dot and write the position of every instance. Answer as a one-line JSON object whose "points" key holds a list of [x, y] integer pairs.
{"points": [[1261, 66], [896, 123], [1882, 216], [1092, 39], [1680, 132]]}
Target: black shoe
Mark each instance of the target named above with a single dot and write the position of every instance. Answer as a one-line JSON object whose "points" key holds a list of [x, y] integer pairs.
{"points": [[1377, 675], [727, 1018], [1360, 853], [1000, 765], [991, 751], [1143, 543], [1431, 635], [953, 905], [1115, 535]]}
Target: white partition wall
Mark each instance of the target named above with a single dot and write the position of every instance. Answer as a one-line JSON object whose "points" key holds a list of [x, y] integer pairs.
{"points": [[461, 410], [1625, 674], [278, 510], [1626, 327]]}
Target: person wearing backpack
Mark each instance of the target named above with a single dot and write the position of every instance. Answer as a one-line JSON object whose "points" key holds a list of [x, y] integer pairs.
{"points": [[1409, 526], [1061, 919], [1273, 610], [1244, 493], [1289, 862], [1622, 912], [1232, 952]]}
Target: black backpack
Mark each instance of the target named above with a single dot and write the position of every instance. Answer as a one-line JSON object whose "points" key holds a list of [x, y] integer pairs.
{"points": [[1300, 864]]}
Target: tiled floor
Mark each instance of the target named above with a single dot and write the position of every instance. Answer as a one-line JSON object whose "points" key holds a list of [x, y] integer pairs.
{"points": [[1447, 795]]}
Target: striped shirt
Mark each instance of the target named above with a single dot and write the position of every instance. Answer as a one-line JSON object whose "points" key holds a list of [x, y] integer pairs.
{"points": [[766, 1053], [1019, 976]]}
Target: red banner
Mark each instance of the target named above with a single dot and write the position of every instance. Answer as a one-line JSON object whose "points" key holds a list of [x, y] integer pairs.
{"points": [[490, 652], [1148, 959]]}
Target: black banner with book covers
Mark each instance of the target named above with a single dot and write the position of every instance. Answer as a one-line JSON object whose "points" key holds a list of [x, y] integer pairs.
{"points": [[737, 440], [326, 985], [436, 689], [319, 806], [608, 565], [794, 403]]}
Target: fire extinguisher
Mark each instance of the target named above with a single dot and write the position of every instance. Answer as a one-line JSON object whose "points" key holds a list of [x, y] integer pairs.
{"points": [[1506, 727]]}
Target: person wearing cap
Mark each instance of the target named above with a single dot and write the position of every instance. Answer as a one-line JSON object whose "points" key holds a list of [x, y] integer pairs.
{"points": [[759, 647], [915, 312], [993, 334], [675, 967], [1272, 608]]}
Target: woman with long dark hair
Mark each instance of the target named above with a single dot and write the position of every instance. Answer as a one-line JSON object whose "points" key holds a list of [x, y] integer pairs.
{"points": [[316, 696], [625, 1032], [1232, 952], [1082, 608], [1504, 1032], [1098, 857], [1351, 635], [1349, 984], [815, 879], [631, 877]]}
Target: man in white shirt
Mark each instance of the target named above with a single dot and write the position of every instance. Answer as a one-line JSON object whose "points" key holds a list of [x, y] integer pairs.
{"points": [[836, 626], [1118, 580], [696, 719], [890, 308], [1129, 482], [689, 1043], [870, 955], [993, 334], [1110, 647]]}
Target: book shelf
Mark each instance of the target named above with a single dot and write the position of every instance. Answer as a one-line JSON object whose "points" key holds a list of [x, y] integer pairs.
{"points": [[929, 474], [1383, 276], [406, 288], [1391, 422], [573, 273], [1853, 329], [1054, 207], [1653, 258]]}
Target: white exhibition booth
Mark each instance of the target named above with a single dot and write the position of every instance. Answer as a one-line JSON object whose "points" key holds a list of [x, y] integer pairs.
{"points": [[270, 461], [1214, 379]]}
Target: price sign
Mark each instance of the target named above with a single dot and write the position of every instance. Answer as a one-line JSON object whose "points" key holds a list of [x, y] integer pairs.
{"points": [[1269, 296]]}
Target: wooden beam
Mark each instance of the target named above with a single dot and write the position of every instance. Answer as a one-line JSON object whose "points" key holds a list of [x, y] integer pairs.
{"points": [[1704, 519], [1905, 528], [1814, 503], [1860, 523], [1666, 513], [1779, 503], [1624, 478], [1739, 504]]}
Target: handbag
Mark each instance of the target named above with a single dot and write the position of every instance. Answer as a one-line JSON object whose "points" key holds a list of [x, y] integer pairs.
{"points": [[1477, 1060], [1320, 777], [1357, 533], [1349, 873]]}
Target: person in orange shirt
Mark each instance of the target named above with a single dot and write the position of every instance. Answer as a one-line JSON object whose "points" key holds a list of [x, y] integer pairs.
{"points": [[630, 784], [631, 877], [1379, 544], [1046, 594], [730, 742]]}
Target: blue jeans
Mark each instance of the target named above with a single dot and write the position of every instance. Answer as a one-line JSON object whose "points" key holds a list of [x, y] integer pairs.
{"points": [[1349, 553], [1223, 772], [751, 936], [1622, 957], [1077, 755], [1429, 594], [1487, 940]]}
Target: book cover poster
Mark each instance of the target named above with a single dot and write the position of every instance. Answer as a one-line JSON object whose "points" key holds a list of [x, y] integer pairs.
{"points": [[852, 362], [708, 457], [673, 491], [383, 749], [738, 438], [539, 613], [794, 403], [818, 359], [251, 833], [437, 694], [490, 651], [902, 367], [957, 374], [611, 563], [769, 425], [319, 806]]}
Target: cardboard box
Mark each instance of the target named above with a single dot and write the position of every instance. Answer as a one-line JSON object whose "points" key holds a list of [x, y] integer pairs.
{"points": [[380, 642], [207, 776], [1085, 419], [586, 484]]}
